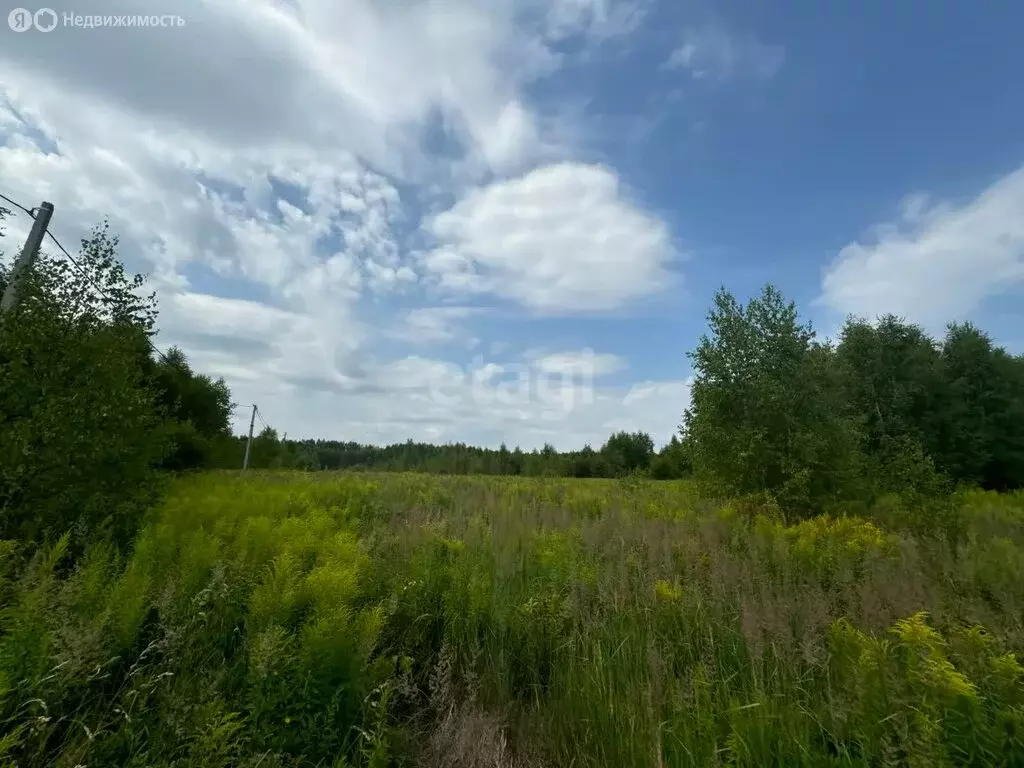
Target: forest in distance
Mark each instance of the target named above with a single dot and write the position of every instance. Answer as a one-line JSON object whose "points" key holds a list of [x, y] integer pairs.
{"points": [[823, 567]]}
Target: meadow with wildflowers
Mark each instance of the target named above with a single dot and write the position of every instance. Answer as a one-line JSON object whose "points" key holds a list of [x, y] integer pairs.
{"points": [[290, 619]]}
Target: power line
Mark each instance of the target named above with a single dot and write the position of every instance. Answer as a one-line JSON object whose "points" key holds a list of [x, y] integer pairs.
{"points": [[17, 205], [79, 267], [81, 270], [88, 277], [260, 416]]}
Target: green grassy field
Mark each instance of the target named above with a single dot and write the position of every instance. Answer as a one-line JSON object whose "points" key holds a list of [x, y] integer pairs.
{"points": [[319, 620]]}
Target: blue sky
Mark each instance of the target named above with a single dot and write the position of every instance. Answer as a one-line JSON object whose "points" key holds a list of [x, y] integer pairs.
{"points": [[451, 220]]}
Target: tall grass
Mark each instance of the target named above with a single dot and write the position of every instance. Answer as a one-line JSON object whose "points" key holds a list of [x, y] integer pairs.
{"points": [[379, 620]]}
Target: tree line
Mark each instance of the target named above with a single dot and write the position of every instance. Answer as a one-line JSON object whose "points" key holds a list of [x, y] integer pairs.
{"points": [[885, 409], [624, 453]]}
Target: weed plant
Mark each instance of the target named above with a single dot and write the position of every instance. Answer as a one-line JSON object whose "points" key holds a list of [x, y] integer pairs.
{"points": [[370, 620]]}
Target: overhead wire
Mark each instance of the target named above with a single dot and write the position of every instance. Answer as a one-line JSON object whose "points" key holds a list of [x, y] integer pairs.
{"points": [[260, 416], [16, 204], [80, 268], [88, 277]]}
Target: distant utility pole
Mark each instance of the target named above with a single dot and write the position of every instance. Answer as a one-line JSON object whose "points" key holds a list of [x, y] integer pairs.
{"points": [[248, 445], [28, 255]]}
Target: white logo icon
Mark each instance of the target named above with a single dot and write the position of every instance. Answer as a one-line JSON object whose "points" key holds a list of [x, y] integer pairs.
{"points": [[20, 20], [45, 19]]}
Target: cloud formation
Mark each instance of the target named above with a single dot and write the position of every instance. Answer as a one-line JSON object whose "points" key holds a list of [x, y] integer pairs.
{"points": [[561, 239], [276, 202], [937, 262]]}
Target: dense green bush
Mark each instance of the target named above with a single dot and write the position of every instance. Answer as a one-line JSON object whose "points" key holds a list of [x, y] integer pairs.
{"points": [[195, 411]]}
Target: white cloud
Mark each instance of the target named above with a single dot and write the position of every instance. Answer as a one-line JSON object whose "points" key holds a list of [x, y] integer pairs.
{"points": [[429, 399], [253, 344], [434, 324], [716, 54], [364, 75], [937, 262], [584, 363], [562, 238]]}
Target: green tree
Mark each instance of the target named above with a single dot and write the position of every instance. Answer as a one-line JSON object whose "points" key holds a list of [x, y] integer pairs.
{"points": [[765, 415], [672, 462], [583, 463], [268, 452], [984, 437], [894, 388], [197, 410], [305, 457], [78, 422], [627, 452]]}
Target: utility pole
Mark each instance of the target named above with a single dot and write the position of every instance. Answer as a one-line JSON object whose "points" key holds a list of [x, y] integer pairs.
{"points": [[248, 445], [28, 255]]}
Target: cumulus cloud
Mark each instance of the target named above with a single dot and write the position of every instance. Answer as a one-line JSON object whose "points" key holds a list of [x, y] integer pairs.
{"points": [[715, 54], [561, 238], [265, 164], [937, 262]]}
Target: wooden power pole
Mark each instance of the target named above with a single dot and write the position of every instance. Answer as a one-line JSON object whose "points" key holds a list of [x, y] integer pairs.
{"points": [[28, 255], [248, 445]]}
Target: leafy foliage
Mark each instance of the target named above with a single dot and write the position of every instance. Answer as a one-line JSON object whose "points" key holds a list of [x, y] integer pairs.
{"points": [[196, 410], [628, 453], [765, 416], [888, 410], [893, 382], [86, 413], [983, 436], [78, 427]]}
